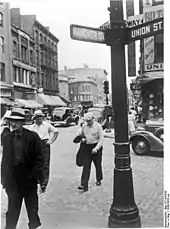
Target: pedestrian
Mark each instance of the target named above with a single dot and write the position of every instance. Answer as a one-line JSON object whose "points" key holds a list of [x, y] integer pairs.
{"points": [[131, 122], [94, 138], [48, 134], [21, 170], [5, 124], [133, 111]]}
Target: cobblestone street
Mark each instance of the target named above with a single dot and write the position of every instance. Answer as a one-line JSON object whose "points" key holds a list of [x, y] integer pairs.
{"points": [[62, 206]]}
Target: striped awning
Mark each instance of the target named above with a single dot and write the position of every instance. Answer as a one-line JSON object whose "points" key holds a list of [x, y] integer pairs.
{"points": [[28, 103], [6, 101]]}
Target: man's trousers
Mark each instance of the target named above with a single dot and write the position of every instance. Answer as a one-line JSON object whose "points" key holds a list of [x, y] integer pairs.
{"points": [[97, 160], [15, 198], [46, 153]]}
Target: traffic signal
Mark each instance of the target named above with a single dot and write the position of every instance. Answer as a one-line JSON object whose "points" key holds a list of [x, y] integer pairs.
{"points": [[106, 87]]}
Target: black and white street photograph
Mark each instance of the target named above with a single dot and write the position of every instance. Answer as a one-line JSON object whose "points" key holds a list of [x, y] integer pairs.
{"points": [[82, 114]]}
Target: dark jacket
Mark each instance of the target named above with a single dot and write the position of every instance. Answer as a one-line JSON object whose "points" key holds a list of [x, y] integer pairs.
{"points": [[32, 169]]}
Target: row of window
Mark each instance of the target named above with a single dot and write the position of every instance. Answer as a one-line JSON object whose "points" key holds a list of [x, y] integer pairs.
{"points": [[22, 76], [40, 39], [25, 53], [82, 98], [48, 80], [84, 89]]}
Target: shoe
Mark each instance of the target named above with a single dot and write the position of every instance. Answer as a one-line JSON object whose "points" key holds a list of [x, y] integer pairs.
{"points": [[98, 183], [82, 188]]}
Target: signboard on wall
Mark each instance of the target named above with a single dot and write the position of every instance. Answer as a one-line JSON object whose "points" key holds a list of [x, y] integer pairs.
{"points": [[131, 46], [154, 67]]}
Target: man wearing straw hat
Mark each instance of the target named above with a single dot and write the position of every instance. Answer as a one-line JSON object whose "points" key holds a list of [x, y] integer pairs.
{"points": [[48, 134], [22, 169]]}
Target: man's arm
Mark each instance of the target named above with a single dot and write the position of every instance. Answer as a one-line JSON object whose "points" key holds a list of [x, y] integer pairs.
{"points": [[55, 134], [101, 137], [38, 169]]}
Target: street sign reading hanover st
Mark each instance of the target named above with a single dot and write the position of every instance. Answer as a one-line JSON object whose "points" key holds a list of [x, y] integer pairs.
{"points": [[84, 33]]}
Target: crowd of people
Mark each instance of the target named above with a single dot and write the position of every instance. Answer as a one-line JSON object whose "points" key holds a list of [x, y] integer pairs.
{"points": [[26, 158]]}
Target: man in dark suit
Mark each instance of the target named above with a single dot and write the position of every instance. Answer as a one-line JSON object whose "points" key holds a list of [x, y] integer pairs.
{"points": [[21, 170]]}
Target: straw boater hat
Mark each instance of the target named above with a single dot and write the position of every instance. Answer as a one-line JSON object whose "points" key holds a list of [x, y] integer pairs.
{"points": [[38, 113], [17, 114], [88, 116]]}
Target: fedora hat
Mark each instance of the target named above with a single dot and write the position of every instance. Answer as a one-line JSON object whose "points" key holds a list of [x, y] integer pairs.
{"points": [[38, 113], [16, 114]]}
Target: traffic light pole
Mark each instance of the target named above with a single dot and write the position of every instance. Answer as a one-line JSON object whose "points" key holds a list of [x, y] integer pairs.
{"points": [[123, 212]]}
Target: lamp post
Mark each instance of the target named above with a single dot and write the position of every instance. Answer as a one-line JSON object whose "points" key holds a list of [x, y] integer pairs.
{"points": [[123, 212]]}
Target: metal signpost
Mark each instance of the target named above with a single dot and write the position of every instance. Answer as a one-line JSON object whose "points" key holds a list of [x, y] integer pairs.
{"points": [[124, 212]]}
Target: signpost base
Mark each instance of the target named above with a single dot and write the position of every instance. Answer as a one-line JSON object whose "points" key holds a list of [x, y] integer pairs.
{"points": [[123, 212]]}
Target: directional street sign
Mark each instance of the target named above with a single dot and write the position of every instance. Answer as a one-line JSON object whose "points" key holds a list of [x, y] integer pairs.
{"points": [[145, 30], [83, 33]]}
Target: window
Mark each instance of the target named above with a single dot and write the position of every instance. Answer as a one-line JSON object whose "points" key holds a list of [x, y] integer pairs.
{"points": [[1, 19], [15, 71], [41, 38], [159, 48], [82, 88], [36, 36], [24, 53], [37, 57], [2, 71], [41, 56], [1, 45], [14, 48], [31, 56]]}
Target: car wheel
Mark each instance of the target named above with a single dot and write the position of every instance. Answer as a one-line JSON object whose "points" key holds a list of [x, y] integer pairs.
{"points": [[140, 146]]}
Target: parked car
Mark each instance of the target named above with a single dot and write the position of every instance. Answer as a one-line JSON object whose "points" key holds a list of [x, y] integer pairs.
{"points": [[64, 115], [150, 138]]}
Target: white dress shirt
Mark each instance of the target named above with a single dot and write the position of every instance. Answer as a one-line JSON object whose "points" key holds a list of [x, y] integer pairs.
{"points": [[93, 134], [44, 130]]}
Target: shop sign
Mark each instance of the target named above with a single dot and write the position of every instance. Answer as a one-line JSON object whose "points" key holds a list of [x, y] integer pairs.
{"points": [[29, 96], [5, 93], [154, 67]]}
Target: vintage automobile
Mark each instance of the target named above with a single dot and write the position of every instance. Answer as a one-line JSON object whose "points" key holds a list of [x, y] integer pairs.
{"points": [[150, 138], [100, 114], [64, 116]]}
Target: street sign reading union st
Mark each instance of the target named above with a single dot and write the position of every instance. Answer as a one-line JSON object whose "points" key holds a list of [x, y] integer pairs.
{"points": [[146, 30], [83, 33]]}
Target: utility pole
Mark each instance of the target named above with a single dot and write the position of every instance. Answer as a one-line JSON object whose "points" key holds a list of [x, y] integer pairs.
{"points": [[123, 212]]}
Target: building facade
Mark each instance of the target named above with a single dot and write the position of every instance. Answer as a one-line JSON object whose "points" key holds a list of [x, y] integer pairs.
{"points": [[63, 86], [43, 51], [24, 70], [85, 85], [6, 81], [151, 76]]}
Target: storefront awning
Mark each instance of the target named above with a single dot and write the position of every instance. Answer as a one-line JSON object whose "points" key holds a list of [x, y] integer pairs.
{"points": [[50, 100], [58, 101], [6, 101], [28, 103]]}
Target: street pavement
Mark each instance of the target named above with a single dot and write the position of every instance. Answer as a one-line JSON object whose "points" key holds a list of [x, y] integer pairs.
{"points": [[63, 206]]}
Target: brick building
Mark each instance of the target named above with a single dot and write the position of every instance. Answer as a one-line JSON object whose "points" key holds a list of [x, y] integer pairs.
{"points": [[43, 53]]}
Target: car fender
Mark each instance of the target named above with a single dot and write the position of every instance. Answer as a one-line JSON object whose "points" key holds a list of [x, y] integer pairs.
{"points": [[155, 143]]}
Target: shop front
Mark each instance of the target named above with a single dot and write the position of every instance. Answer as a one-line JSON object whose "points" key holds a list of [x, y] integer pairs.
{"points": [[6, 97], [152, 96]]}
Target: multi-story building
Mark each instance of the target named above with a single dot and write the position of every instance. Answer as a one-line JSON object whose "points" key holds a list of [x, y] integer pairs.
{"points": [[24, 71], [63, 86], [85, 85], [6, 82], [45, 51], [5, 51]]}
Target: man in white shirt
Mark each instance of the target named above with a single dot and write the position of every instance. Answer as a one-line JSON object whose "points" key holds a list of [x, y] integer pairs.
{"points": [[48, 134], [94, 138]]}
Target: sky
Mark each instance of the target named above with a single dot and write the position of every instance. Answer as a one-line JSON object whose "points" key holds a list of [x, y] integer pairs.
{"points": [[59, 15]]}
